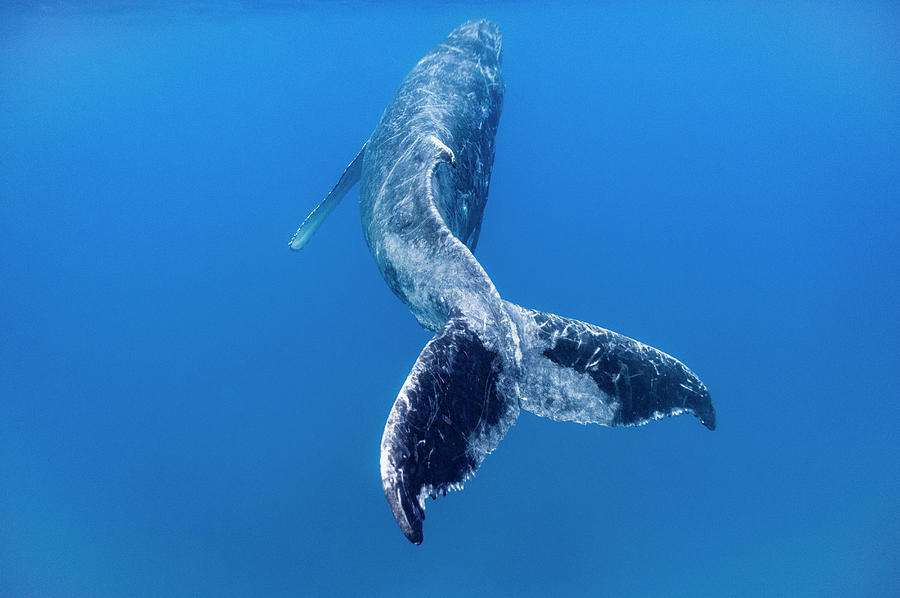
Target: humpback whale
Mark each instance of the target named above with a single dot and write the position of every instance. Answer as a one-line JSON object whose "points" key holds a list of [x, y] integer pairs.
{"points": [[424, 175]]}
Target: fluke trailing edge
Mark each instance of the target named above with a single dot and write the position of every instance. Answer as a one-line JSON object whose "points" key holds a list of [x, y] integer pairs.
{"points": [[424, 176]]}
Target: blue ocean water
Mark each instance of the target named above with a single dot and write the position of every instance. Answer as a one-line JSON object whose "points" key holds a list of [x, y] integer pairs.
{"points": [[188, 408]]}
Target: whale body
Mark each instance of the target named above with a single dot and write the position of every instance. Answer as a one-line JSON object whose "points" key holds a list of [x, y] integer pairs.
{"points": [[424, 175]]}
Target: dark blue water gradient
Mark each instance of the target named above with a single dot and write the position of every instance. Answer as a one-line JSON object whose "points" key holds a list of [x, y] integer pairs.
{"points": [[188, 408]]}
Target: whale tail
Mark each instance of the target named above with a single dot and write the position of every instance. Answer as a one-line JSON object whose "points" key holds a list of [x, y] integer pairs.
{"points": [[575, 371], [464, 393], [453, 410]]}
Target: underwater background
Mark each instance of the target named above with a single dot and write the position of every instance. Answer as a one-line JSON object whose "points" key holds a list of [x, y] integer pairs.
{"points": [[188, 408]]}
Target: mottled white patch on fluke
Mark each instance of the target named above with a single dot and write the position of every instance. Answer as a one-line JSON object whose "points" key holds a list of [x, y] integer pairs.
{"points": [[575, 371]]}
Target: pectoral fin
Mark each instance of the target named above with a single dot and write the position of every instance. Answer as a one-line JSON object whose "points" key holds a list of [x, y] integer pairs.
{"points": [[316, 217]]}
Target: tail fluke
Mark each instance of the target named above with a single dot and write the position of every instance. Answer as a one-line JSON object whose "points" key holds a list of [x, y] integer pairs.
{"points": [[574, 371], [463, 395], [450, 413]]}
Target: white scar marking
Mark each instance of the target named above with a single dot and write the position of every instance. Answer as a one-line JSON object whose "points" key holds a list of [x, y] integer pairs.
{"points": [[444, 149]]}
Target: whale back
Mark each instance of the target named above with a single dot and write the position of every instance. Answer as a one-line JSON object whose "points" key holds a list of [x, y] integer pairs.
{"points": [[455, 94]]}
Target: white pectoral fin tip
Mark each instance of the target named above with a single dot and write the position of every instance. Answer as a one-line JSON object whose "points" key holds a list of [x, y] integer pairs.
{"points": [[309, 226]]}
